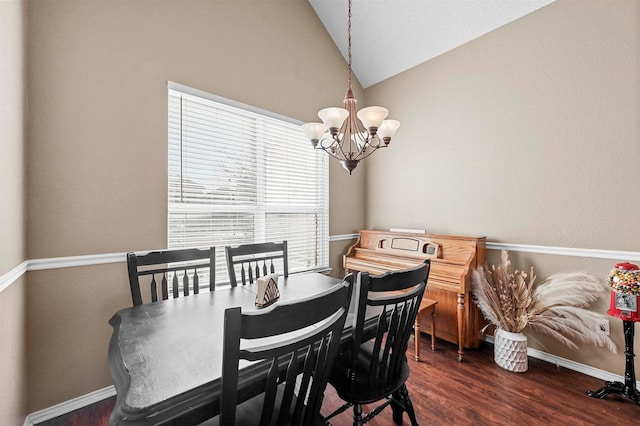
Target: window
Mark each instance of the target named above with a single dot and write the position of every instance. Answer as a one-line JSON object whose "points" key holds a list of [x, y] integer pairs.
{"points": [[240, 175]]}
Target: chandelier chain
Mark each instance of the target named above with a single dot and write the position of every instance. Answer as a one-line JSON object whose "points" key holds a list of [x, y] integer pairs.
{"points": [[349, 46]]}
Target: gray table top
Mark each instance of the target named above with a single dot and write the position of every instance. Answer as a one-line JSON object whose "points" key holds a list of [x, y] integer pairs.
{"points": [[166, 358]]}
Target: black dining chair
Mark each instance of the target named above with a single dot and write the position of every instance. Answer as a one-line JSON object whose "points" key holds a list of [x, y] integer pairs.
{"points": [[374, 367], [252, 261], [293, 346], [170, 273]]}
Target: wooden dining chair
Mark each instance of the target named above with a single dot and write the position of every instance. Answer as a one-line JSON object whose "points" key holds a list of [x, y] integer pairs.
{"points": [[293, 345], [374, 368], [252, 261], [170, 273]]}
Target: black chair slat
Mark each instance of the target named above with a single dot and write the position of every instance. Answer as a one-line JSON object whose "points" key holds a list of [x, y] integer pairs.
{"points": [[185, 283], [154, 289], [270, 392], [287, 397], [174, 286], [165, 287]]}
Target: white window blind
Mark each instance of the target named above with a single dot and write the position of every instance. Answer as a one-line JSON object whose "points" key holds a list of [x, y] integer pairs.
{"points": [[239, 175]]}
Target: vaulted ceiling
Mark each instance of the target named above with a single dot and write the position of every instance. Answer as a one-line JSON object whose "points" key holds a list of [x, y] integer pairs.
{"points": [[391, 36]]}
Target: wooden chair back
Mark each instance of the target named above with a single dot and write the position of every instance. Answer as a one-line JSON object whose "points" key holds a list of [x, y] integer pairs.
{"points": [[303, 339], [396, 296], [248, 262], [170, 273]]}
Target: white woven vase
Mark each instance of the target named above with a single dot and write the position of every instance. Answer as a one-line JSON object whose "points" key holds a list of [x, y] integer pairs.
{"points": [[510, 350]]}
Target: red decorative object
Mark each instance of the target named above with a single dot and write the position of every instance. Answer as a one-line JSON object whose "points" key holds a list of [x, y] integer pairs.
{"points": [[624, 280], [626, 266]]}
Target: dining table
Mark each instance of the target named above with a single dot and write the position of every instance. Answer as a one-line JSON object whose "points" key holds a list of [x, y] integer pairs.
{"points": [[165, 358]]}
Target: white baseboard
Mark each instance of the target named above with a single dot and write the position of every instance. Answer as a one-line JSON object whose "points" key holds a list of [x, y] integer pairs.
{"points": [[69, 406], [587, 370]]}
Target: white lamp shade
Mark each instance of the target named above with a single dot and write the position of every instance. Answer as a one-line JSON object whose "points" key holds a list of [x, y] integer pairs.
{"points": [[333, 117], [388, 128], [314, 131], [372, 116]]}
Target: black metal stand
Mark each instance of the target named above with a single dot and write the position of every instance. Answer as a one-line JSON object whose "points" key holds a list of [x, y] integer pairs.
{"points": [[628, 388]]}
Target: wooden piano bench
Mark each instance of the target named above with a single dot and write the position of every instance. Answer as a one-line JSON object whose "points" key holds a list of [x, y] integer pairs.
{"points": [[426, 306]]}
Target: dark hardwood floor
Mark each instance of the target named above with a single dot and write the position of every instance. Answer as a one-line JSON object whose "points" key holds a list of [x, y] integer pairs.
{"points": [[473, 392]]}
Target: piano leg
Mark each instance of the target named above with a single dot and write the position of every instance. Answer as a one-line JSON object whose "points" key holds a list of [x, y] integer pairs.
{"points": [[460, 326], [433, 328]]}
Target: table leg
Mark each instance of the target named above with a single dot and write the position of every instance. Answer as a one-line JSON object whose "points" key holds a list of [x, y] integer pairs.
{"points": [[628, 388], [460, 326]]}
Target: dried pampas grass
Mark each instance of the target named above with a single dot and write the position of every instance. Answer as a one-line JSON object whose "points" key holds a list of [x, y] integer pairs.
{"points": [[556, 307]]}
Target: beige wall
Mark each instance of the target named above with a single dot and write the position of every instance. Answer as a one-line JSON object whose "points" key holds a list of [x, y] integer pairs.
{"points": [[68, 339], [13, 347], [13, 91], [98, 146], [530, 134], [13, 87], [98, 114]]}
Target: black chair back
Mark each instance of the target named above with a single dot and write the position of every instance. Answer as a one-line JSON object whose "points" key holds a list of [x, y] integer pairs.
{"points": [[169, 273], [252, 261], [303, 341], [397, 296]]}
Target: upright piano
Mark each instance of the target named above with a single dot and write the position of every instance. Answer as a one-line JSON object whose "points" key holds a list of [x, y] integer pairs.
{"points": [[453, 259]]}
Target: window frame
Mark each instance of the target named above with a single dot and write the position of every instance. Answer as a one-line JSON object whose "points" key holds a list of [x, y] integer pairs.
{"points": [[315, 253]]}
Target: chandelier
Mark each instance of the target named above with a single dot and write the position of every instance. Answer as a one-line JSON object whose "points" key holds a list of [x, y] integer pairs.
{"points": [[349, 136]]}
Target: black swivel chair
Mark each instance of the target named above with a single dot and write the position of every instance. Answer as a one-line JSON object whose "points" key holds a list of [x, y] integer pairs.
{"points": [[375, 366]]}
